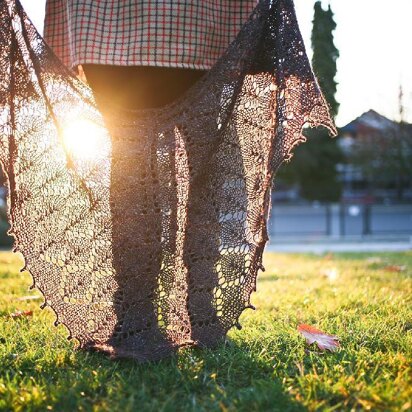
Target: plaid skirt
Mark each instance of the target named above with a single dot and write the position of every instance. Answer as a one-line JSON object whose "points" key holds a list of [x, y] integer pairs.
{"points": [[165, 33]]}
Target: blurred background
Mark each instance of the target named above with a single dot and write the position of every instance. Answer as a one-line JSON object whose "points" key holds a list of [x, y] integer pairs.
{"points": [[354, 191]]}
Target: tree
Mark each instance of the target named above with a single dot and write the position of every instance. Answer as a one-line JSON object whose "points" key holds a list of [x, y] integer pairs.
{"points": [[385, 156], [325, 54], [313, 167]]}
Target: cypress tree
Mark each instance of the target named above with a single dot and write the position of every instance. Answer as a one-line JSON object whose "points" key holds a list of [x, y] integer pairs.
{"points": [[313, 167], [325, 53]]}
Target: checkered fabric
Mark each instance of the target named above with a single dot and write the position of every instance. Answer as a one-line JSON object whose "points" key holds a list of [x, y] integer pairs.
{"points": [[168, 33]]}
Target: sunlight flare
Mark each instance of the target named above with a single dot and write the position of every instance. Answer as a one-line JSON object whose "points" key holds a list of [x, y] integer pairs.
{"points": [[84, 139]]}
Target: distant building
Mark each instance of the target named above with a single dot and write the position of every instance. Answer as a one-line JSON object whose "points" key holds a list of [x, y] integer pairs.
{"points": [[373, 129], [369, 123]]}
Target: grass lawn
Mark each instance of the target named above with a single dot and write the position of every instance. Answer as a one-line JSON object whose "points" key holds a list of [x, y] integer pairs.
{"points": [[362, 298]]}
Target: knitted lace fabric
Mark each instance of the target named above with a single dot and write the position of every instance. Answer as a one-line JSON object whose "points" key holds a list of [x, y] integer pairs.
{"points": [[145, 232]]}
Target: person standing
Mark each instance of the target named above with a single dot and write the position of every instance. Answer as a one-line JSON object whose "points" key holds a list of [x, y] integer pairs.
{"points": [[142, 53]]}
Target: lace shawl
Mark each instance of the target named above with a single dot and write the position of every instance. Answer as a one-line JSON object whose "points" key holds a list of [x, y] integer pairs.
{"points": [[145, 231]]}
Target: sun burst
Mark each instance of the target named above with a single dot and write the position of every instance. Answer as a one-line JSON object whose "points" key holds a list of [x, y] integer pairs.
{"points": [[84, 140]]}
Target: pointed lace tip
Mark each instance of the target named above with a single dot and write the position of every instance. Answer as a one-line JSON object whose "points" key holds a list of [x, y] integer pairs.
{"points": [[262, 268]]}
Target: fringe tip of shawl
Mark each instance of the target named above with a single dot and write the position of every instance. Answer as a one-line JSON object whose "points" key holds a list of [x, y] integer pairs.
{"points": [[238, 326], [251, 307], [262, 268]]}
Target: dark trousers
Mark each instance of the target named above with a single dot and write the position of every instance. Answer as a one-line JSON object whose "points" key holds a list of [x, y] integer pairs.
{"points": [[138, 87], [135, 210]]}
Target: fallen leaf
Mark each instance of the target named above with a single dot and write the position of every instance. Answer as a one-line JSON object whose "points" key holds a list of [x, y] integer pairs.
{"points": [[21, 314], [322, 339], [395, 268]]}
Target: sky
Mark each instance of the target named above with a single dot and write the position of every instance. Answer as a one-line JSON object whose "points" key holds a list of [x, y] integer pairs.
{"points": [[374, 40]]}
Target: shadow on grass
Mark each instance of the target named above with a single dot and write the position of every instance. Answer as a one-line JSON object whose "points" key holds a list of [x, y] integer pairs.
{"points": [[227, 378]]}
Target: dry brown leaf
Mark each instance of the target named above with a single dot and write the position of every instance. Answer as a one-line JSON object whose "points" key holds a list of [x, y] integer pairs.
{"points": [[21, 314], [394, 268], [322, 339]]}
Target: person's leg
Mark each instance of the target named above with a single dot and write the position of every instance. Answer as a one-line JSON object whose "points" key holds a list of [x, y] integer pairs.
{"points": [[135, 196], [138, 87]]}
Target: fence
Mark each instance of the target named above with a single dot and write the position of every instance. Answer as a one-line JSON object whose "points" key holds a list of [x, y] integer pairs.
{"points": [[340, 220]]}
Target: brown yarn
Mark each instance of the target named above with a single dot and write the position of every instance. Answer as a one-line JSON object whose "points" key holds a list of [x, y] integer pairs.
{"points": [[153, 241]]}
